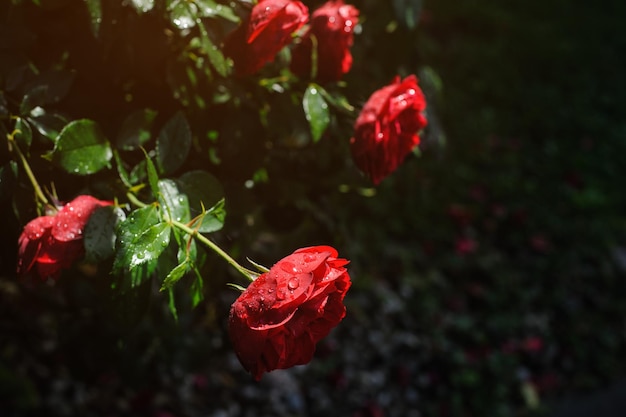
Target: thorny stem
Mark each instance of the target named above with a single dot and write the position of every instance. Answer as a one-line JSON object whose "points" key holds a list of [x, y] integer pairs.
{"points": [[29, 173], [250, 275], [194, 233]]}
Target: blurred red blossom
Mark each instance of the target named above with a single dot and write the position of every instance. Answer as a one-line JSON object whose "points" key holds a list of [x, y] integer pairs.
{"points": [[267, 31], [465, 245], [332, 27]]}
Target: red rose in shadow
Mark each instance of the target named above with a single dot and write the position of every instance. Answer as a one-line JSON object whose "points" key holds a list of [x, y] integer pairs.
{"points": [[277, 321], [53, 243]]}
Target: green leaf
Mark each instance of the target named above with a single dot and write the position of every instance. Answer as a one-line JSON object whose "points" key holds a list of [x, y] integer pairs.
{"points": [[209, 8], [48, 87], [141, 6], [183, 14], [213, 219], [95, 13], [205, 195], [316, 111], [175, 275], [153, 177], [408, 12], [171, 303], [48, 124], [173, 143], [175, 203], [197, 293], [23, 133], [141, 238], [135, 130], [217, 58], [121, 170], [81, 148], [35, 97], [99, 234]]}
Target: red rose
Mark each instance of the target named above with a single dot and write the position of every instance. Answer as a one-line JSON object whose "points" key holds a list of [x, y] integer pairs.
{"points": [[265, 33], [53, 243], [277, 321], [386, 130], [333, 27]]}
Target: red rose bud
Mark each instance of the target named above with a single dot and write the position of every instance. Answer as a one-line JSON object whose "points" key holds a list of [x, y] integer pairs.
{"points": [[332, 25], [277, 321], [265, 33], [386, 130], [54, 243]]}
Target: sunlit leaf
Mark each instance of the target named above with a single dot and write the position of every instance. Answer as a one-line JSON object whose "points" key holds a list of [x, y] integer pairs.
{"points": [[95, 14], [141, 238], [175, 203], [141, 6], [209, 8], [153, 177], [316, 111], [175, 275], [81, 148]]}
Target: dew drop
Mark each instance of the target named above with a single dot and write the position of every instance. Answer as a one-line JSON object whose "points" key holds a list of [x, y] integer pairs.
{"points": [[293, 283]]}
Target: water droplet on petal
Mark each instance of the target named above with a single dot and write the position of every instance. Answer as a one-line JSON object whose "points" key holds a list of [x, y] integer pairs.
{"points": [[293, 283]]}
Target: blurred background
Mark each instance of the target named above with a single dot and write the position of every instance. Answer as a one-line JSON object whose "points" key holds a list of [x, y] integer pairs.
{"points": [[488, 271]]}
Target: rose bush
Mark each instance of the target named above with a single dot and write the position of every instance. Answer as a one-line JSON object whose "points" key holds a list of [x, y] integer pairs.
{"points": [[265, 33], [386, 130], [169, 145], [277, 321], [54, 242], [332, 27]]}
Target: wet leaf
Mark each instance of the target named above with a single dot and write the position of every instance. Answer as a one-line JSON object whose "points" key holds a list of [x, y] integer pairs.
{"points": [[316, 111], [81, 148], [141, 238], [175, 203], [205, 195], [99, 234], [175, 275]]}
